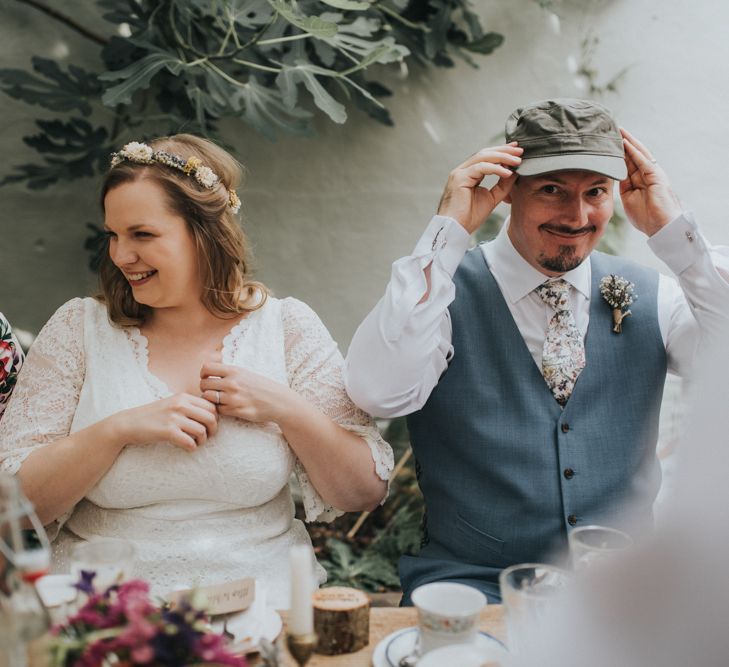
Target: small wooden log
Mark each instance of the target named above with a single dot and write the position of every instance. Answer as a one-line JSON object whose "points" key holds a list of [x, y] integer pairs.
{"points": [[341, 620]]}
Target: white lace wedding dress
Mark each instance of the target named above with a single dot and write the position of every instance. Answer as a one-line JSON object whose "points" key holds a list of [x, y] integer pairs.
{"points": [[218, 514]]}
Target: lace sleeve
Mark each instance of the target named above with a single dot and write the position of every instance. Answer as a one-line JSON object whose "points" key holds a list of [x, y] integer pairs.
{"points": [[314, 365], [11, 359], [47, 391]]}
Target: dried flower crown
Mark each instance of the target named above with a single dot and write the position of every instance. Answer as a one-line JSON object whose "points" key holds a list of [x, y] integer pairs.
{"points": [[141, 153], [618, 292]]}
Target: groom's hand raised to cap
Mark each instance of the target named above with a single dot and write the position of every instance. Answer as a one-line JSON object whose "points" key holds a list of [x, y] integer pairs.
{"points": [[470, 204], [648, 199]]}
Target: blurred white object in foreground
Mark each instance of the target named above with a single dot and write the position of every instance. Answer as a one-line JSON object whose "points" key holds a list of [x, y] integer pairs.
{"points": [[664, 604]]}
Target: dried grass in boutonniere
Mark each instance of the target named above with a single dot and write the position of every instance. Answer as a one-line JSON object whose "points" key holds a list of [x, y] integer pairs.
{"points": [[618, 292]]}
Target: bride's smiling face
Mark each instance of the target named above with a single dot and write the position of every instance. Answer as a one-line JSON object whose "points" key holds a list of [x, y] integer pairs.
{"points": [[151, 245]]}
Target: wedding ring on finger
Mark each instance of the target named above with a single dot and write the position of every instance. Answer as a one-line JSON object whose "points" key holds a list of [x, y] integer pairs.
{"points": [[217, 397]]}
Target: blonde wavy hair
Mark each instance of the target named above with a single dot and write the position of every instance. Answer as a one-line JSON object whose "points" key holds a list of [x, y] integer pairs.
{"points": [[222, 247]]}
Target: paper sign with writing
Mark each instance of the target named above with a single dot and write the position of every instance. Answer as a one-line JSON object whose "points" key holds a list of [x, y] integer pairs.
{"points": [[223, 598]]}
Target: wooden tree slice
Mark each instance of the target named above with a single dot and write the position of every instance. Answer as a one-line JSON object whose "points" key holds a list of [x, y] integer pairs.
{"points": [[341, 619]]}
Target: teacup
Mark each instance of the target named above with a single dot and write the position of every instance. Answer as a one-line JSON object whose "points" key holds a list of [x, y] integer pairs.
{"points": [[448, 613]]}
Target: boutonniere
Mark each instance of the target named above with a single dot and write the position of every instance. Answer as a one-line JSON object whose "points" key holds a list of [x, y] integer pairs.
{"points": [[618, 292]]}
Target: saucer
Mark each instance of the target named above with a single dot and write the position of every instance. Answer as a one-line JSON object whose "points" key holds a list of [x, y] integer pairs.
{"points": [[400, 643], [465, 655]]}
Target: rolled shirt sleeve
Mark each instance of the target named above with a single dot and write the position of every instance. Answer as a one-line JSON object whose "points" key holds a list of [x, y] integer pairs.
{"points": [[403, 346]]}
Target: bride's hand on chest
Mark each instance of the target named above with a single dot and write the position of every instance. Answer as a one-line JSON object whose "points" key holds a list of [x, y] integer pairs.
{"points": [[182, 420], [239, 392]]}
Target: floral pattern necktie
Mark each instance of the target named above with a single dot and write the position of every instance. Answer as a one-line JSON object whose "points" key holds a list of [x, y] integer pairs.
{"points": [[563, 356]]}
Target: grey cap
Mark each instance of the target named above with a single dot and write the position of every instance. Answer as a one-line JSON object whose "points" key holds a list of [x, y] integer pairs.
{"points": [[567, 133]]}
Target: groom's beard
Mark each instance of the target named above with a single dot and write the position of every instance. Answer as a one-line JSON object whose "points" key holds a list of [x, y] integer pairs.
{"points": [[567, 258]]}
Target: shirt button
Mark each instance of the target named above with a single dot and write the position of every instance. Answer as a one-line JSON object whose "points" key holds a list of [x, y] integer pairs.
{"points": [[565, 428], [690, 237], [569, 473], [572, 519]]}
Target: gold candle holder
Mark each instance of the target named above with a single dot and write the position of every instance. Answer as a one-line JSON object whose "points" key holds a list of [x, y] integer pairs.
{"points": [[301, 646]]}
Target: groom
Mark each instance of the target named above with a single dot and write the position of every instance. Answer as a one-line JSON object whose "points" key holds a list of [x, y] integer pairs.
{"points": [[526, 422]]}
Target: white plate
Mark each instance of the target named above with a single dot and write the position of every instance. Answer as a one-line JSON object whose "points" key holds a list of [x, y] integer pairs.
{"points": [[56, 589], [400, 643], [257, 622], [269, 628]]}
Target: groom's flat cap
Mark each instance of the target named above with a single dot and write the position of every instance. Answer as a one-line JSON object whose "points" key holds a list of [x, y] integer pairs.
{"points": [[567, 133]]}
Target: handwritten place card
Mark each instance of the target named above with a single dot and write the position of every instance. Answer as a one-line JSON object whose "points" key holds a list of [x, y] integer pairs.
{"points": [[222, 598]]}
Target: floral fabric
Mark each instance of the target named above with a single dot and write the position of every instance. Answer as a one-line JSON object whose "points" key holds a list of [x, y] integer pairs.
{"points": [[563, 357], [11, 359]]}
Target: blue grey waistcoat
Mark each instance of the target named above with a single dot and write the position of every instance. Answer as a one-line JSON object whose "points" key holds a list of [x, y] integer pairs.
{"points": [[506, 472]]}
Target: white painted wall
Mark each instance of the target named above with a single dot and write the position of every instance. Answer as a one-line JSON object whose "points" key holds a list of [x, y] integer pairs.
{"points": [[327, 216]]}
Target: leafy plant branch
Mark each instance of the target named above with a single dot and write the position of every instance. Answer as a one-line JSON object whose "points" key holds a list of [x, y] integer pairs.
{"points": [[273, 64]]}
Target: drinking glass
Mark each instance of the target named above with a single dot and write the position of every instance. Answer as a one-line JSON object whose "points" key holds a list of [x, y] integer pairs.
{"points": [[595, 544], [111, 559], [25, 555], [528, 591]]}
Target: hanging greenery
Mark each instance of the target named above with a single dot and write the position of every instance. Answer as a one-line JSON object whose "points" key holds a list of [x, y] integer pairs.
{"points": [[174, 65]]}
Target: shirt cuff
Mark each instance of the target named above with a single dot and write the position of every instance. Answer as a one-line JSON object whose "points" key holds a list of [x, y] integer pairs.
{"points": [[679, 244], [445, 239]]}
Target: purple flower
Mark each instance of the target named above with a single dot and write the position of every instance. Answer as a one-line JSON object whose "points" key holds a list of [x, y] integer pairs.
{"points": [[86, 583]]}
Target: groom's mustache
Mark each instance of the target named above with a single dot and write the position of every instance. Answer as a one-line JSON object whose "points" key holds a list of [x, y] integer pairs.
{"points": [[569, 231]]}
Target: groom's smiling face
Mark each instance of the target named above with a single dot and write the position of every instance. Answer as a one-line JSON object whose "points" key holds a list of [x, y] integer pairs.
{"points": [[558, 218]]}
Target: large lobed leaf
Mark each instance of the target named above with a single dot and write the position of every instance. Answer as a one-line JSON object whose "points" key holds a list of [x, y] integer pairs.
{"points": [[54, 89], [138, 76]]}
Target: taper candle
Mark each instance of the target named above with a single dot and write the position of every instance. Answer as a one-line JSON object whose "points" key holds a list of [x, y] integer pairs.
{"points": [[301, 617]]}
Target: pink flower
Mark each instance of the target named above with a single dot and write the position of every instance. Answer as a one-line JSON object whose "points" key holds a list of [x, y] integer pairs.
{"points": [[143, 654], [137, 629], [135, 586], [138, 632]]}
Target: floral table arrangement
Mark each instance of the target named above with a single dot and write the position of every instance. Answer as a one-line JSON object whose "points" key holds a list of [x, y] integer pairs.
{"points": [[121, 626]]}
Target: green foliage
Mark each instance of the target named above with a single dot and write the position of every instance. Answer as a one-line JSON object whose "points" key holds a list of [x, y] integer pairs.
{"points": [[613, 238], [368, 570], [187, 64], [588, 74], [489, 229]]}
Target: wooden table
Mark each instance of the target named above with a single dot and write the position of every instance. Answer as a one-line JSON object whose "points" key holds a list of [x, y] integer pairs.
{"points": [[383, 621]]}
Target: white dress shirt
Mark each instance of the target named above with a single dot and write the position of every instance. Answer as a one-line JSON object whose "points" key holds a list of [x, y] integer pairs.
{"points": [[403, 346]]}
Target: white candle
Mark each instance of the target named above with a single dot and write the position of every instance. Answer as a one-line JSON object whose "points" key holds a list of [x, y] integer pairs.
{"points": [[301, 617]]}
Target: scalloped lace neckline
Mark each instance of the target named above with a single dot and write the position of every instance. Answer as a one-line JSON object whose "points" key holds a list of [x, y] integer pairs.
{"points": [[140, 348]]}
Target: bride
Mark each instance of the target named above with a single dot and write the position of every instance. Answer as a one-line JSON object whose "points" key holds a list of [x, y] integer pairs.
{"points": [[171, 410]]}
